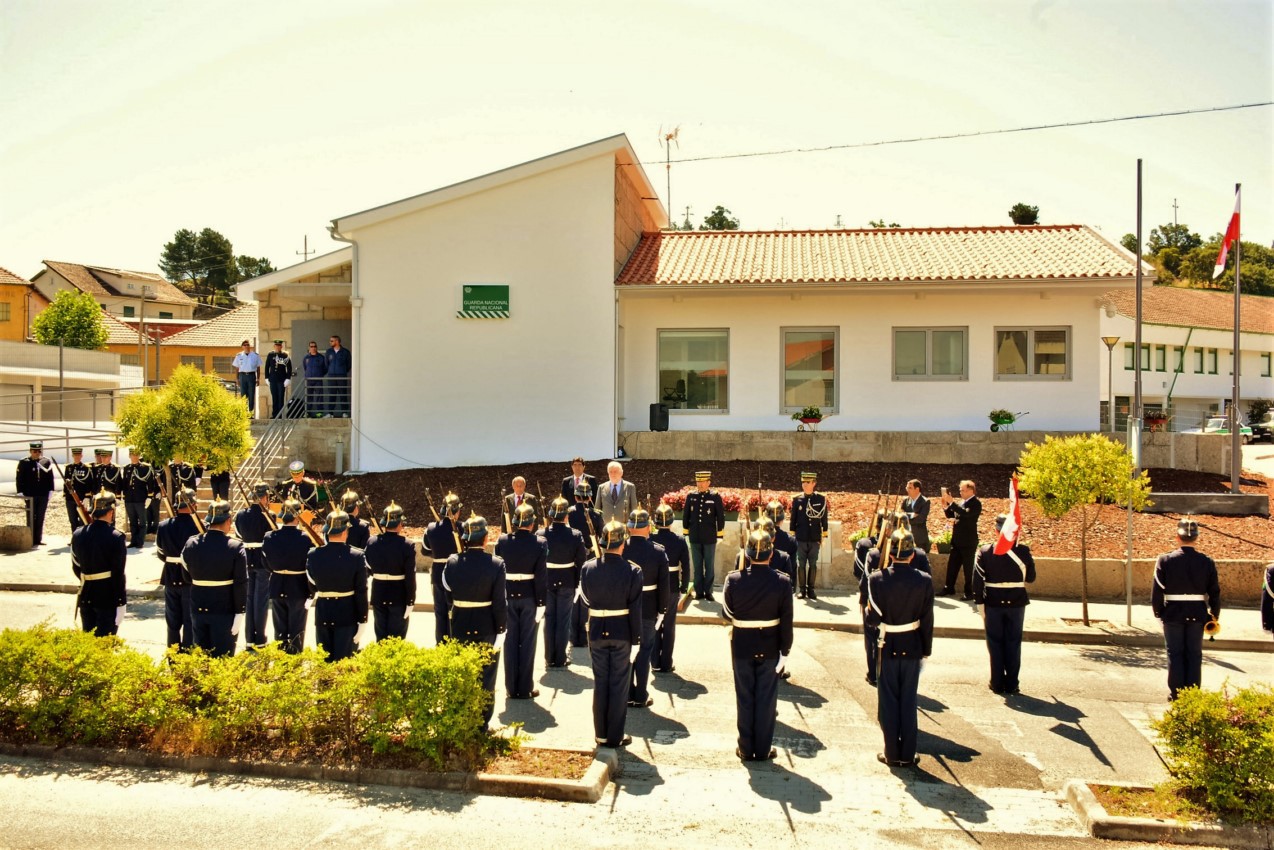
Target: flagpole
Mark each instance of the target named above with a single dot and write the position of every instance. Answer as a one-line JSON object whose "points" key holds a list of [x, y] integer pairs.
{"points": [[1236, 438], [1138, 418]]}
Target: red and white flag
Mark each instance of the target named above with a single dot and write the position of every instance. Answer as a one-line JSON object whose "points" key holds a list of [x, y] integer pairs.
{"points": [[1013, 524], [1231, 234]]}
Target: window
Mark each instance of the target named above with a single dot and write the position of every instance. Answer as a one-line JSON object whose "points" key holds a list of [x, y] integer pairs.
{"points": [[164, 315], [931, 354], [6, 314], [1161, 358], [1231, 358], [809, 369], [1180, 359], [196, 360], [130, 360], [1211, 361], [1198, 361], [129, 312], [1265, 365], [1145, 357], [222, 364], [1034, 353], [1128, 361], [694, 369]]}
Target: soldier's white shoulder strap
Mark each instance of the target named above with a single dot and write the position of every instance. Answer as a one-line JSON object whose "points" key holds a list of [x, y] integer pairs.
{"points": [[1021, 566]]}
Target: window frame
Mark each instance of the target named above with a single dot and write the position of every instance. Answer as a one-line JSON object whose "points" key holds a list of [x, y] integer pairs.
{"points": [[1210, 359], [1267, 361], [1067, 375], [186, 360], [6, 311], [685, 411], [928, 374], [786, 408]]}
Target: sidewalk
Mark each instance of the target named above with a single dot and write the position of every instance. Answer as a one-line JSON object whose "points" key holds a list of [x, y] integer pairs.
{"points": [[48, 569]]}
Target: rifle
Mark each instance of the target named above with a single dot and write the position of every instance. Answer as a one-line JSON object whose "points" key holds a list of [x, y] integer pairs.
{"points": [[588, 515], [544, 506], [75, 497], [455, 533], [371, 514], [504, 513], [269, 515]]}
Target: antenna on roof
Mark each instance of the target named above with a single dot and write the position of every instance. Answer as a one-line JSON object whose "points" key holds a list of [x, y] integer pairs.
{"points": [[305, 252], [666, 141]]}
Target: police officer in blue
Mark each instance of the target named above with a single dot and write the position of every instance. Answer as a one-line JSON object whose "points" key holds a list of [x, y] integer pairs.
{"points": [[359, 531], [391, 558], [1185, 596], [566, 554], [783, 542], [809, 527], [252, 524], [653, 560], [476, 599], [587, 520], [286, 552], [900, 605], [35, 481], [611, 588], [703, 523], [441, 541], [170, 541], [98, 556], [678, 583], [525, 557], [999, 586], [79, 480], [757, 600], [217, 566], [338, 577]]}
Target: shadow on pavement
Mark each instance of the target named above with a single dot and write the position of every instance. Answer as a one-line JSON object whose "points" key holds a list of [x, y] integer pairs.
{"points": [[1143, 657], [636, 776], [566, 680], [533, 716], [672, 683], [929, 705], [1068, 717], [775, 782], [934, 792], [800, 695], [800, 744], [829, 607]]}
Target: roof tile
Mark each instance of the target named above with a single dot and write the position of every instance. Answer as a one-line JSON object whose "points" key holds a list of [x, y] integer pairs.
{"points": [[9, 277], [1194, 308], [84, 278], [228, 330]]}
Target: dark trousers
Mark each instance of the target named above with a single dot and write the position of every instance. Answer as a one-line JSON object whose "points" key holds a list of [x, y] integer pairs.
{"points": [[388, 621], [703, 558], [896, 706], [665, 639], [212, 633], [138, 523], [807, 564], [314, 396], [961, 557], [1004, 644], [179, 617], [277, 392], [248, 389], [557, 624], [1184, 642], [73, 514], [871, 634], [612, 678], [519, 647], [336, 641], [289, 623], [579, 623], [756, 699], [640, 690], [99, 621], [442, 617], [220, 484], [258, 605], [39, 507], [152, 516]]}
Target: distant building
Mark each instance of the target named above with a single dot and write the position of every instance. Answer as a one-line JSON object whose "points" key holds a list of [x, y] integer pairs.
{"points": [[126, 294], [19, 304], [208, 346]]}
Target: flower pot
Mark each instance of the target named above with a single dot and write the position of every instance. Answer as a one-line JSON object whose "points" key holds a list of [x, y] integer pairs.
{"points": [[811, 420]]}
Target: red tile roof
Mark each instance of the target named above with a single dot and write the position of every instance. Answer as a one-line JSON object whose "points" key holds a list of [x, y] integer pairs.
{"points": [[118, 333], [228, 330], [9, 277], [733, 257], [86, 278], [1194, 308]]}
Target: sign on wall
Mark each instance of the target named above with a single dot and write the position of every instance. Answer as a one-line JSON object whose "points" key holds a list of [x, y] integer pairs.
{"points": [[484, 301]]}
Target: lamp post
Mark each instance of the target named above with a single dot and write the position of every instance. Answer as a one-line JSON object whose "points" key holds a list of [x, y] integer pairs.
{"points": [[1111, 342]]}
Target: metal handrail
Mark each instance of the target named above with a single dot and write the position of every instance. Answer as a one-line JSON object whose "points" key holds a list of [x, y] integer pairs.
{"points": [[88, 438], [30, 400]]}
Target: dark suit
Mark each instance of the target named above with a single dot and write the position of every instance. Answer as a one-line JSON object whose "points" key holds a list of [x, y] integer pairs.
{"points": [[338, 576], [568, 486], [901, 607], [98, 555], [611, 588], [218, 569], [917, 510], [999, 585], [964, 542], [758, 602], [1185, 572], [477, 600], [286, 552]]}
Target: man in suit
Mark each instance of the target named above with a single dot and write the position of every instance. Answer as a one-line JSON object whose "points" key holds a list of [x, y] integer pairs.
{"points": [[916, 507], [520, 497], [617, 498], [964, 536], [570, 482]]}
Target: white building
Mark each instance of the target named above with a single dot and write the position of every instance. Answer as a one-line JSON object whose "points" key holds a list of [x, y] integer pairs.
{"points": [[124, 293]]}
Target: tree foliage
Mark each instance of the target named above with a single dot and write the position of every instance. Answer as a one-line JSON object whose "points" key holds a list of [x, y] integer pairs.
{"points": [[1173, 236], [190, 417], [204, 265], [1129, 241], [1024, 214], [879, 224], [1257, 272], [75, 318], [1084, 472], [719, 219]]}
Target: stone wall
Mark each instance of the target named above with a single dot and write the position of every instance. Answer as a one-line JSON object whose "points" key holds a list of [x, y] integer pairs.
{"points": [[313, 441], [277, 313], [631, 217]]}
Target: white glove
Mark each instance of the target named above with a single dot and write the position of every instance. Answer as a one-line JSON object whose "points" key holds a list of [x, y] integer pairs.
{"points": [[237, 625], [659, 622], [309, 603], [779, 668], [407, 613], [539, 613], [119, 615], [361, 634], [922, 665], [499, 641], [287, 382], [632, 656]]}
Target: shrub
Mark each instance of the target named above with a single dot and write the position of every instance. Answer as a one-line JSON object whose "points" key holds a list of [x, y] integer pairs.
{"points": [[733, 499], [1221, 745]]}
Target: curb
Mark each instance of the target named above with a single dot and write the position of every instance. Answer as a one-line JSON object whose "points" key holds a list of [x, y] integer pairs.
{"points": [[34, 587], [1102, 825], [586, 790]]}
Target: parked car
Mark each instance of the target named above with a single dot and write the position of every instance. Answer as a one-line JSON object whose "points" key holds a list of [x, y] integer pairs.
{"points": [[1263, 428], [1221, 425]]}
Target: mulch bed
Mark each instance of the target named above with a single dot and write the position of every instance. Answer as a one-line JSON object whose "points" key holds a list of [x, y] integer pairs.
{"points": [[544, 764]]}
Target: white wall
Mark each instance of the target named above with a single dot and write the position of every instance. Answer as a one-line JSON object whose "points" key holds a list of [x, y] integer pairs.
{"points": [[439, 390], [869, 397]]}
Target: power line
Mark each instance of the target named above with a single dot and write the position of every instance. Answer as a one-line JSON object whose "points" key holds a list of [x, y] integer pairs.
{"points": [[969, 135]]}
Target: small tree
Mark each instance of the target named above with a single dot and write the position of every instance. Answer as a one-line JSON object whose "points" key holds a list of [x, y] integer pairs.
{"points": [[719, 219], [75, 319], [1024, 214], [191, 417], [1085, 472], [1256, 408], [879, 224], [1129, 241]]}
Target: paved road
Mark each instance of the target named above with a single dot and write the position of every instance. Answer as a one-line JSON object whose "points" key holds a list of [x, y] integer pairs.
{"points": [[990, 773]]}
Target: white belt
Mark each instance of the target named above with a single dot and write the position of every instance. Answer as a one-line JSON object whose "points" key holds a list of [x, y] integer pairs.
{"points": [[1005, 584], [463, 603], [200, 583], [519, 576], [553, 566], [176, 560], [387, 577], [608, 612], [289, 572], [648, 587], [95, 576], [251, 545], [333, 594], [754, 624], [674, 569], [1184, 597], [890, 629]]}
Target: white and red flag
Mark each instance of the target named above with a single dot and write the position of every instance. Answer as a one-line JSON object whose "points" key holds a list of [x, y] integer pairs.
{"points": [[1013, 524], [1231, 234]]}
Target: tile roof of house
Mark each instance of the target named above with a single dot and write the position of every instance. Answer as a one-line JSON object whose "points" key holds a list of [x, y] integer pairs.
{"points": [[733, 257], [228, 330], [9, 277], [85, 278], [1194, 308], [117, 332]]}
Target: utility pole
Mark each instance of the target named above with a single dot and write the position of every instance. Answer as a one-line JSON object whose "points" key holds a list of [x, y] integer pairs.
{"points": [[305, 252], [687, 226], [838, 224], [1174, 212]]}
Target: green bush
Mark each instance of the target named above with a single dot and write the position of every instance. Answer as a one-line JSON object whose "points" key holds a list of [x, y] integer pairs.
{"points": [[1221, 745]]}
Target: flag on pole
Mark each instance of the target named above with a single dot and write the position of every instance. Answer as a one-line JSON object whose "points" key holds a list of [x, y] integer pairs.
{"points": [[1013, 524], [1231, 233]]}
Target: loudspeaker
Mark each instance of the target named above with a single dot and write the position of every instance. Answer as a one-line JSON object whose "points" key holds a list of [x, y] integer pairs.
{"points": [[658, 417]]}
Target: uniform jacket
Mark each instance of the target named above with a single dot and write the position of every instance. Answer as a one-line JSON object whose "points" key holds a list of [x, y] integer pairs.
{"points": [[305, 490], [565, 546], [524, 553], [81, 477], [391, 554], [360, 533], [758, 593], [185, 475], [586, 522], [615, 507], [338, 568], [214, 556], [315, 365], [653, 560], [1185, 571], [678, 559], [99, 548], [568, 486], [703, 516], [438, 543], [612, 583], [965, 512], [252, 525], [784, 564], [286, 553], [140, 482], [901, 594], [475, 576], [278, 367], [918, 510], [35, 478], [785, 542], [511, 504], [990, 568], [339, 362], [170, 541], [809, 517], [108, 477], [862, 550]]}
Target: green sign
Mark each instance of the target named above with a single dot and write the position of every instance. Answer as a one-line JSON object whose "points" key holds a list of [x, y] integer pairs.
{"points": [[484, 301]]}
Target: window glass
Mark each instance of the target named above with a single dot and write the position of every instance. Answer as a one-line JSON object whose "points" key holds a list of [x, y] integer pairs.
{"points": [[809, 369], [694, 369]]}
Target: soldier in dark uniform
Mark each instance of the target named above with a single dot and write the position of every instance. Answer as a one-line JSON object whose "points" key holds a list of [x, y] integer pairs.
{"points": [[98, 555], [441, 541], [299, 486], [1267, 600], [219, 483], [391, 559], [519, 497], [578, 476], [140, 485], [359, 531], [866, 543], [678, 582], [170, 542], [703, 523], [901, 606], [587, 520], [79, 478], [185, 475], [286, 552], [525, 557], [217, 565], [758, 603], [779, 560], [999, 586], [278, 372], [1184, 593], [35, 481], [611, 588], [653, 560], [783, 542], [566, 554], [474, 583], [107, 476], [338, 577], [965, 511], [866, 562], [252, 524], [809, 527]]}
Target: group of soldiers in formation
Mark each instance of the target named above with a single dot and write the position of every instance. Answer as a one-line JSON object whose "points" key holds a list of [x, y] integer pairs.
{"points": [[599, 571]]}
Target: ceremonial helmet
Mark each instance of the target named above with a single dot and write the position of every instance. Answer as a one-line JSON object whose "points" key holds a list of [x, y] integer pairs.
{"points": [[103, 502], [901, 520], [524, 516], [613, 535], [392, 516], [774, 510], [474, 529], [260, 489], [186, 498], [451, 504], [1187, 528], [764, 523], [902, 544], [218, 512], [291, 509], [558, 508], [337, 523], [349, 501], [583, 490], [760, 546], [664, 515], [639, 518]]}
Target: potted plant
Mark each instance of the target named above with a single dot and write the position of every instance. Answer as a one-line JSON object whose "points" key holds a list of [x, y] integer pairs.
{"points": [[811, 415], [942, 543]]}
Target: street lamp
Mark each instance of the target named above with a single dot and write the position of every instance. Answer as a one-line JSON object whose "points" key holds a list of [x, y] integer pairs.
{"points": [[1111, 342]]}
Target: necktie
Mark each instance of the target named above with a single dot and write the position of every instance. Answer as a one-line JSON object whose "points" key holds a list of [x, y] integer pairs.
{"points": [[614, 491], [519, 502]]}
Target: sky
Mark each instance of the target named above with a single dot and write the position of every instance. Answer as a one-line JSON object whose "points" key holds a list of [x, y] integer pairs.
{"points": [[121, 122]]}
